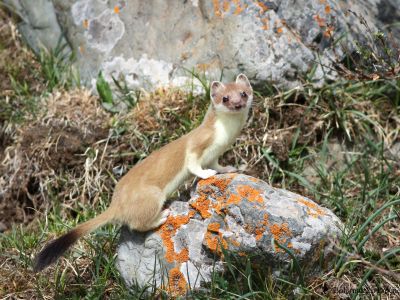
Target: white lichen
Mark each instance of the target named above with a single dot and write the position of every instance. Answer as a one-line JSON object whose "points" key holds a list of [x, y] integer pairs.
{"points": [[105, 31], [148, 73]]}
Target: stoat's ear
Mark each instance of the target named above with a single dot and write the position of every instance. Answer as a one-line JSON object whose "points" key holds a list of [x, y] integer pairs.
{"points": [[242, 79], [215, 88]]}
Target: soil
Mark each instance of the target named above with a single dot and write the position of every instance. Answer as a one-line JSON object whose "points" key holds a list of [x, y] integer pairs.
{"points": [[41, 151]]}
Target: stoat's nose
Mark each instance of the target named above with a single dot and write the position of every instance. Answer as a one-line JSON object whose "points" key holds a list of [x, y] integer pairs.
{"points": [[238, 106]]}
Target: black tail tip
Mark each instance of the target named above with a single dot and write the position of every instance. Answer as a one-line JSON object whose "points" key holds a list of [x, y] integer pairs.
{"points": [[39, 264], [53, 250]]}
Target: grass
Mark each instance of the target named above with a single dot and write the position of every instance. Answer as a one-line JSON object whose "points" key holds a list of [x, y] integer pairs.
{"points": [[334, 144]]}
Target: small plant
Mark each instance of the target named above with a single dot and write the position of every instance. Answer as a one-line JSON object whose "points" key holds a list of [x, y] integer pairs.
{"points": [[124, 96], [56, 67], [373, 59], [105, 93]]}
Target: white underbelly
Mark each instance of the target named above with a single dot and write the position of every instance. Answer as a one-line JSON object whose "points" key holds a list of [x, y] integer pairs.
{"points": [[175, 183], [225, 135], [212, 153]]}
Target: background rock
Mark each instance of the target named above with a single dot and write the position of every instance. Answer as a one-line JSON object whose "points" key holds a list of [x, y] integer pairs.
{"points": [[151, 43], [239, 213]]}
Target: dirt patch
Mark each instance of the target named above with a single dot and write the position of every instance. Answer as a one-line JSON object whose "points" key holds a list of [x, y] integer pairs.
{"points": [[52, 146], [285, 120]]}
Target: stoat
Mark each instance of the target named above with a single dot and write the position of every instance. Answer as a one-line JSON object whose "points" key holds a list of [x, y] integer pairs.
{"points": [[140, 195]]}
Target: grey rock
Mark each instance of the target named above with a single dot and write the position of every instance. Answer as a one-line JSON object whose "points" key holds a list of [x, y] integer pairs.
{"points": [[235, 212], [39, 25], [152, 43]]}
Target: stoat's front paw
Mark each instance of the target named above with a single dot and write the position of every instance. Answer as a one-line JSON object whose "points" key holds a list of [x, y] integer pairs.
{"points": [[227, 169], [204, 174]]}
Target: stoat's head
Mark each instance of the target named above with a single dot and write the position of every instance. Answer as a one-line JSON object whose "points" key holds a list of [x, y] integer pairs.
{"points": [[233, 97]]}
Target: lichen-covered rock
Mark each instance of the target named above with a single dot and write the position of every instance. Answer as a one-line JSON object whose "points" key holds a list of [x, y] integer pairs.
{"points": [[230, 211], [151, 43]]}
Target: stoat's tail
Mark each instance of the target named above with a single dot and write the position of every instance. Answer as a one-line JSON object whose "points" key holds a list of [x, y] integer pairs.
{"points": [[53, 250]]}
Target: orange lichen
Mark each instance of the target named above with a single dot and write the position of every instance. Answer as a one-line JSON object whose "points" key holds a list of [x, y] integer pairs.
{"points": [[221, 184], [250, 193], [116, 9], [239, 8], [177, 285], [167, 231], [182, 256], [280, 233], [321, 21], [265, 22], [263, 7], [312, 209], [327, 9], [202, 205], [85, 23], [81, 49], [242, 253], [265, 219], [203, 67], [214, 243], [226, 5], [216, 8], [233, 199], [259, 233], [279, 30], [219, 205], [214, 227], [256, 180], [329, 31], [211, 240]]}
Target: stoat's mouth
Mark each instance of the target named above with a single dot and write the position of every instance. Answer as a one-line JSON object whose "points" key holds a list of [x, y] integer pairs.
{"points": [[238, 107]]}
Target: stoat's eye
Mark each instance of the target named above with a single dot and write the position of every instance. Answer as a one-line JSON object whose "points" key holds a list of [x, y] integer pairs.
{"points": [[243, 94], [225, 99]]}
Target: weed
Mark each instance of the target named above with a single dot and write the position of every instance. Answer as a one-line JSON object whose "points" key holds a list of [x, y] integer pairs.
{"points": [[122, 98], [56, 67]]}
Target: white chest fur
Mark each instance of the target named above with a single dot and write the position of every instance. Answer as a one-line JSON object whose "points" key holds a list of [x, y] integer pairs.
{"points": [[227, 128]]}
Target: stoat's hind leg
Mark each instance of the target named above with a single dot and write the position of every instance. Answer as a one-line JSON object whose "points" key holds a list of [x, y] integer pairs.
{"points": [[161, 219], [145, 210]]}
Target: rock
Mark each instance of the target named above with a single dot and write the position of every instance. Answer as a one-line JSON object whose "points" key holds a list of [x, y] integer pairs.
{"points": [[40, 26], [153, 43], [231, 211]]}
